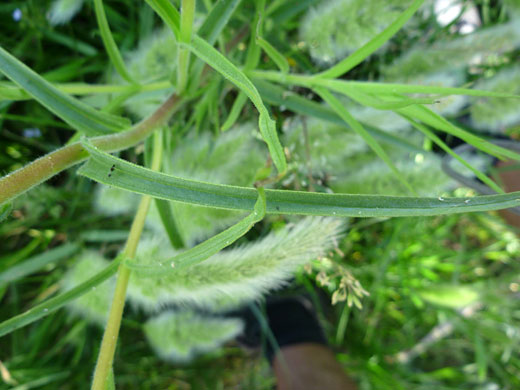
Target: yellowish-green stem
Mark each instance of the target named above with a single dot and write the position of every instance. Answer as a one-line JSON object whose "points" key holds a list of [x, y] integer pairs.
{"points": [[183, 54], [108, 345]]}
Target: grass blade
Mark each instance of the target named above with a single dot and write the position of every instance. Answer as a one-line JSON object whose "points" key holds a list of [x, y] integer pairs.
{"points": [[267, 126], [338, 107], [436, 121], [5, 210], [490, 183], [36, 263], [366, 50], [274, 54], [166, 215], [168, 13], [207, 248], [110, 44], [238, 104], [137, 179], [53, 304], [77, 114], [217, 19]]}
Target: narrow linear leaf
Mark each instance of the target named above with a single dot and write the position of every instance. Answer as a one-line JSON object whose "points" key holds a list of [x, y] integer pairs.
{"points": [[217, 19], [273, 54], [490, 183], [209, 247], [298, 104], [5, 210], [53, 304], [436, 121], [338, 107], [36, 263], [137, 179], [169, 223], [110, 44], [168, 13], [238, 104], [370, 47], [267, 126], [77, 114]]}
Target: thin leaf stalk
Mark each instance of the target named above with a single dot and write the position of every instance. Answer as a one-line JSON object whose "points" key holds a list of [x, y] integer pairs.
{"points": [[45, 167], [109, 342]]}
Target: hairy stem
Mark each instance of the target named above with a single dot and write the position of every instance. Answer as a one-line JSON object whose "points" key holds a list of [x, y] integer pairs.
{"points": [[109, 342], [49, 165]]}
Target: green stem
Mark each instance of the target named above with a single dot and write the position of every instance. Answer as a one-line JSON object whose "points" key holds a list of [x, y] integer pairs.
{"points": [[183, 54], [49, 165], [109, 342]]}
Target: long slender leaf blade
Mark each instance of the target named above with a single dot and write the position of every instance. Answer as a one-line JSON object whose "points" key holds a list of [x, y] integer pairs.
{"points": [[490, 183], [267, 126], [109, 42], [168, 13], [53, 304], [137, 179], [77, 114], [217, 19], [5, 210], [274, 54], [36, 263], [436, 121], [236, 108], [375, 43], [209, 247], [336, 105]]}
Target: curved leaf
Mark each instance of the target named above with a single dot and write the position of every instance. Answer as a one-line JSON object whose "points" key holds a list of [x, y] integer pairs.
{"points": [[134, 178]]}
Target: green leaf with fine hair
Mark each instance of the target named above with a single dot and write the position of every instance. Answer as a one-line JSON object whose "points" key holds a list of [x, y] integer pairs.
{"points": [[77, 114], [225, 67], [36, 263], [273, 54], [207, 248], [181, 335], [108, 41], [50, 305], [359, 129], [168, 13], [134, 178], [370, 47]]}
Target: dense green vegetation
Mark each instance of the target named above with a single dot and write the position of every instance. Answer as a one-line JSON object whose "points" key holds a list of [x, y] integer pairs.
{"points": [[206, 103]]}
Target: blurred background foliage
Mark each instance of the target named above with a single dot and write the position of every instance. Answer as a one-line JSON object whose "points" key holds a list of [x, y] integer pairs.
{"points": [[419, 303]]}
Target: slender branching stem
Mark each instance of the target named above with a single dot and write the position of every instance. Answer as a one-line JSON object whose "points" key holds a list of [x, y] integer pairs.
{"points": [[51, 164], [109, 342], [183, 54]]}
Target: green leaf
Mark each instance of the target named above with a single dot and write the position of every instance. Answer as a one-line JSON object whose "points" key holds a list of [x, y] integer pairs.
{"points": [[110, 44], [274, 54], [168, 13], [267, 126], [217, 19], [454, 297], [53, 304], [166, 215], [207, 248], [36, 263], [238, 104], [5, 210], [134, 178], [77, 114], [370, 47], [338, 107], [436, 121], [448, 150]]}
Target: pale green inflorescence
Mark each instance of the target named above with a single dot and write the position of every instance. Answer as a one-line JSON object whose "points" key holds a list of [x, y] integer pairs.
{"points": [[95, 305], [495, 115], [336, 28], [181, 335], [62, 11], [235, 276]]}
